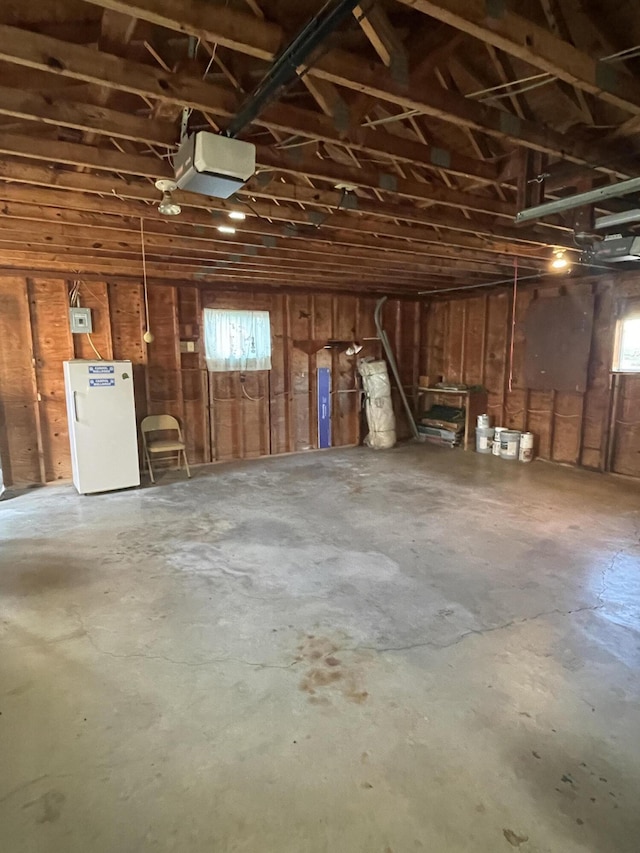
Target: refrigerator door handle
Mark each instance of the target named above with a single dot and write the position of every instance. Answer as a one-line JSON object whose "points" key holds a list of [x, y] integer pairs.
{"points": [[75, 407]]}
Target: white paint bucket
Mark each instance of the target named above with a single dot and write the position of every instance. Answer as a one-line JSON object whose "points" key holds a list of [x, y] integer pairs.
{"points": [[483, 421], [509, 444], [484, 439], [496, 440], [526, 447]]}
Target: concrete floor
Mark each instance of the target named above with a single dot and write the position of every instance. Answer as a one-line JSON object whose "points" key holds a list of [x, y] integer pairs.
{"points": [[350, 652]]}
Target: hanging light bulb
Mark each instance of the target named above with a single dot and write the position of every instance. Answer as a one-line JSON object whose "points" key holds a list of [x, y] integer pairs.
{"points": [[167, 206], [559, 261]]}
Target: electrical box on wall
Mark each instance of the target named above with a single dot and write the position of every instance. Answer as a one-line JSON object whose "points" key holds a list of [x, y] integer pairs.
{"points": [[80, 319], [188, 346]]}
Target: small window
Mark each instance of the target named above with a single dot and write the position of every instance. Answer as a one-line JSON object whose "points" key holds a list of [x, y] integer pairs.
{"points": [[237, 340], [627, 352]]}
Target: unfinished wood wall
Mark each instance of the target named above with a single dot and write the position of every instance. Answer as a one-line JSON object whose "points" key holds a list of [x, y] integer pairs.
{"points": [[468, 339], [270, 412]]}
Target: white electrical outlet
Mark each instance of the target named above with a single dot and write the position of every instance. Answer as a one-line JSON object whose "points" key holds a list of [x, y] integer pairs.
{"points": [[80, 319]]}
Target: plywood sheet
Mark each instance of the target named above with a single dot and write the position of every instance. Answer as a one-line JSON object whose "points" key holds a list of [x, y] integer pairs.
{"points": [[93, 295], [223, 405], [52, 344], [19, 450], [472, 362], [453, 369], [558, 342], [496, 353]]}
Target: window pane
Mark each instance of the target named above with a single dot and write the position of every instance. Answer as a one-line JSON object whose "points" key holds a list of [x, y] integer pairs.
{"points": [[630, 345], [237, 340]]}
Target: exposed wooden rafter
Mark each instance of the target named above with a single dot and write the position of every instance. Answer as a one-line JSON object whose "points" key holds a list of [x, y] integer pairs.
{"points": [[392, 107], [495, 24], [353, 72]]}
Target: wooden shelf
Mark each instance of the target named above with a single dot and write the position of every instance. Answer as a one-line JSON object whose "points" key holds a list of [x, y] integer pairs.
{"points": [[475, 404]]}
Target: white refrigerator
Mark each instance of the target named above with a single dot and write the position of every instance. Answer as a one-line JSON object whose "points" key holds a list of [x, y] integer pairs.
{"points": [[102, 425]]}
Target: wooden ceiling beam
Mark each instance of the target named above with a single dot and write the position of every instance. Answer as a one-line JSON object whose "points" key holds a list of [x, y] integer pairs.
{"points": [[104, 240], [455, 108], [259, 212], [345, 69], [85, 117], [236, 265], [205, 282], [104, 159], [329, 99], [384, 39], [536, 46], [432, 217], [33, 50], [75, 154], [77, 260], [77, 266], [186, 238], [102, 200], [194, 241], [383, 181], [410, 241], [80, 188]]}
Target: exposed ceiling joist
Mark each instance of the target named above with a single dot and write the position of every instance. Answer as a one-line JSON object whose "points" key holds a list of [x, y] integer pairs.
{"points": [[104, 159], [197, 247], [495, 24], [366, 221], [353, 72], [85, 117], [17, 174], [384, 39], [361, 231], [33, 50]]}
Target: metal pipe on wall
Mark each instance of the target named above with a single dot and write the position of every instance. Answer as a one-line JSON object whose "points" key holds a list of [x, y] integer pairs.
{"points": [[394, 366]]}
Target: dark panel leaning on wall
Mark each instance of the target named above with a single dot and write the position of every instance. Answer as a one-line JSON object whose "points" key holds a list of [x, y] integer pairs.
{"points": [[271, 412], [468, 339]]}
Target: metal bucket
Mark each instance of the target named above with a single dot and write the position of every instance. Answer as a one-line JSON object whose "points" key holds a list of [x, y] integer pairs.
{"points": [[484, 439], [526, 447], [483, 421], [496, 440], [509, 444]]}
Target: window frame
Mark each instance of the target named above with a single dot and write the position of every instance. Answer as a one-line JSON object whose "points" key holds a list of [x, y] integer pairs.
{"points": [[631, 312], [246, 366]]}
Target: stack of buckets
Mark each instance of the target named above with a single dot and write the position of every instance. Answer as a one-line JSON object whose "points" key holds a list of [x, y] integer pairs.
{"points": [[503, 442]]}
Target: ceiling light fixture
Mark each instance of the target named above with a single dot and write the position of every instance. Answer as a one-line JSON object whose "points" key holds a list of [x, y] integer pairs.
{"points": [[167, 206], [238, 215], [559, 261], [226, 229]]}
